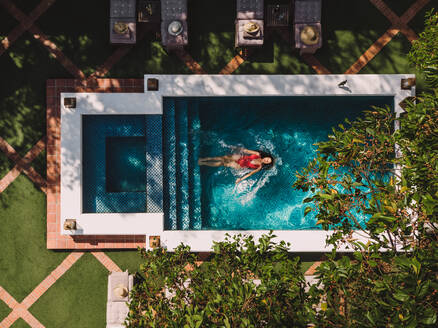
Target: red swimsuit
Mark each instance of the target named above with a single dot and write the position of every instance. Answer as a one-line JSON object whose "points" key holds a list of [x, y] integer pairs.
{"points": [[245, 161]]}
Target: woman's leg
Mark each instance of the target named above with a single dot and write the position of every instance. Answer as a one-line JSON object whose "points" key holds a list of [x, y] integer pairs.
{"points": [[231, 161], [211, 161]]}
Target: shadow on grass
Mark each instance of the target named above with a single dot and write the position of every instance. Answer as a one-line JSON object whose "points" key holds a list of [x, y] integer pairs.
{"points": [[25, 67], [349, 32], [211, 33], [81, 30]]}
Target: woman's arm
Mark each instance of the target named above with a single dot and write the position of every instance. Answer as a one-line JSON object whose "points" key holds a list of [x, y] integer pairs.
{"points": [[248, 175], [252, 152]]}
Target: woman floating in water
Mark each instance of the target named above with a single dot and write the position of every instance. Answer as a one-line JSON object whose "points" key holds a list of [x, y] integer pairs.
{"points": [[249, 159]]}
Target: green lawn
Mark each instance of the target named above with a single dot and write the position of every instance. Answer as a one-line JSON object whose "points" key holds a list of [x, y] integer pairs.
{"points": [[4, 310], [20, 323], [78, 299], [24, 259], [126, 260]]}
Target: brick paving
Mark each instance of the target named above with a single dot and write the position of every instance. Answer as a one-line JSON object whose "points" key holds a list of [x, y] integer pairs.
{"points": [[232, 65], [106, 261], [94, 83], [311, 271]]}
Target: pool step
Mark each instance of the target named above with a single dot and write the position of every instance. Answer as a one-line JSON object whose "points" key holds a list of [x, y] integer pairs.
{"points": [[182, 181], [154, 164], [169, 165], [195, 176], [182, 165]]}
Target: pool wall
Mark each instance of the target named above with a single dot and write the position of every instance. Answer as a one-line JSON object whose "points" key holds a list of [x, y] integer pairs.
{"points": [[198, 86]]}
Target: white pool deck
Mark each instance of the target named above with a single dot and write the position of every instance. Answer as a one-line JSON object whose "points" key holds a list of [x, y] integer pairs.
{"points": [[150, 102]]}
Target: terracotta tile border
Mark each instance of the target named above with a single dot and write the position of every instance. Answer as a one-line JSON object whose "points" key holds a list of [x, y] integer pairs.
{"points": [[106, 261], [190, 62], [55, 240], [232, 65], [311, 271]]}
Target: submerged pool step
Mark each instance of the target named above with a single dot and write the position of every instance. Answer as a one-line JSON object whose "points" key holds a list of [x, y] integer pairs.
{"points": [[154, 164], [169, 167], [194, 169], [182, 180], [182, 159]]}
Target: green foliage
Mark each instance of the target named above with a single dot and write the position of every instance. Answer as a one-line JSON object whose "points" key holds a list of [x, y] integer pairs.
{"points": [[424, 52], [244, 284], [369, 168]]}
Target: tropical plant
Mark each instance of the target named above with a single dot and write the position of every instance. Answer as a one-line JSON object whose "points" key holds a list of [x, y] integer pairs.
{"points": [[391, 176], [244, 284], [424, 52]]}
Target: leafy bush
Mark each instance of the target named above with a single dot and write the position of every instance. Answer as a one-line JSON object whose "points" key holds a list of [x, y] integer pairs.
{"points": [[244, 284], [357, 172], [424, 52]]}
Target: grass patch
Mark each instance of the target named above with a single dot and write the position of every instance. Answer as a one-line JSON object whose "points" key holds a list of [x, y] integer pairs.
{"points": [[305, 266], [346, 37], [417, 23], [81, 30], [148, 57], [275, 57], [211, 41], [40, 165], [131, 260], [22, 109], [24, 259], [20, 323], [78, 298], [5, 165], [4, 310], [126, 260], [26, 5], [393, 60], [7, 23], [399, 7]]}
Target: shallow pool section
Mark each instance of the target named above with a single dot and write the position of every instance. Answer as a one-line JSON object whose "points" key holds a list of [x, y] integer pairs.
{"points": [[125, 164], [206, 198], [121, 170]]}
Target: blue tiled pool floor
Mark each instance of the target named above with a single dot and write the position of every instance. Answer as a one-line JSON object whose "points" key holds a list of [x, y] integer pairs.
{"points": [[120, 155]]}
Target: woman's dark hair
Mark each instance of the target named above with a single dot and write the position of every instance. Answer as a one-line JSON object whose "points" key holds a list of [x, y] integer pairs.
{"points": [[264, 154]]}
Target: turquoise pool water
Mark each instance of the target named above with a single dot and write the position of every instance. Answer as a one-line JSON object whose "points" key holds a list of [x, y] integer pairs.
{"points": [[287, 127]]}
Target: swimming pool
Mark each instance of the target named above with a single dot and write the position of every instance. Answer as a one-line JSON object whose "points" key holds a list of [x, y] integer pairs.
{"points": [[185, 203], [206, 198]]}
